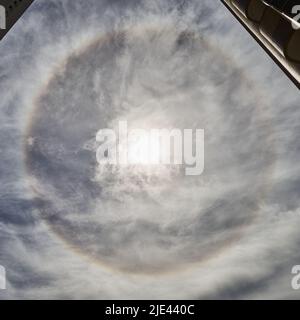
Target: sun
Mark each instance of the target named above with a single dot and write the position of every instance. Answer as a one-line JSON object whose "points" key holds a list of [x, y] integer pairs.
{"points": [[143, 150]]}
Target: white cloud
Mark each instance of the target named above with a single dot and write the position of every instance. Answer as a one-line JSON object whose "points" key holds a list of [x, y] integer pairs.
{"points": [[230, 233]]}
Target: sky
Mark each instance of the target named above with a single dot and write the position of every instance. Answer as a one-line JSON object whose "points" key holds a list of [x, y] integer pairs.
{"points": [[71, 230]]}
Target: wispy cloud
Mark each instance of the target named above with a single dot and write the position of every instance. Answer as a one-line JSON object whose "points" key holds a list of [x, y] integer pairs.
{"points": [[69, 68]]}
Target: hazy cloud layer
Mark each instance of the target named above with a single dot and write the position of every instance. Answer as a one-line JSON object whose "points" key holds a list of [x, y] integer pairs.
{"points": [[70, 230]]}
